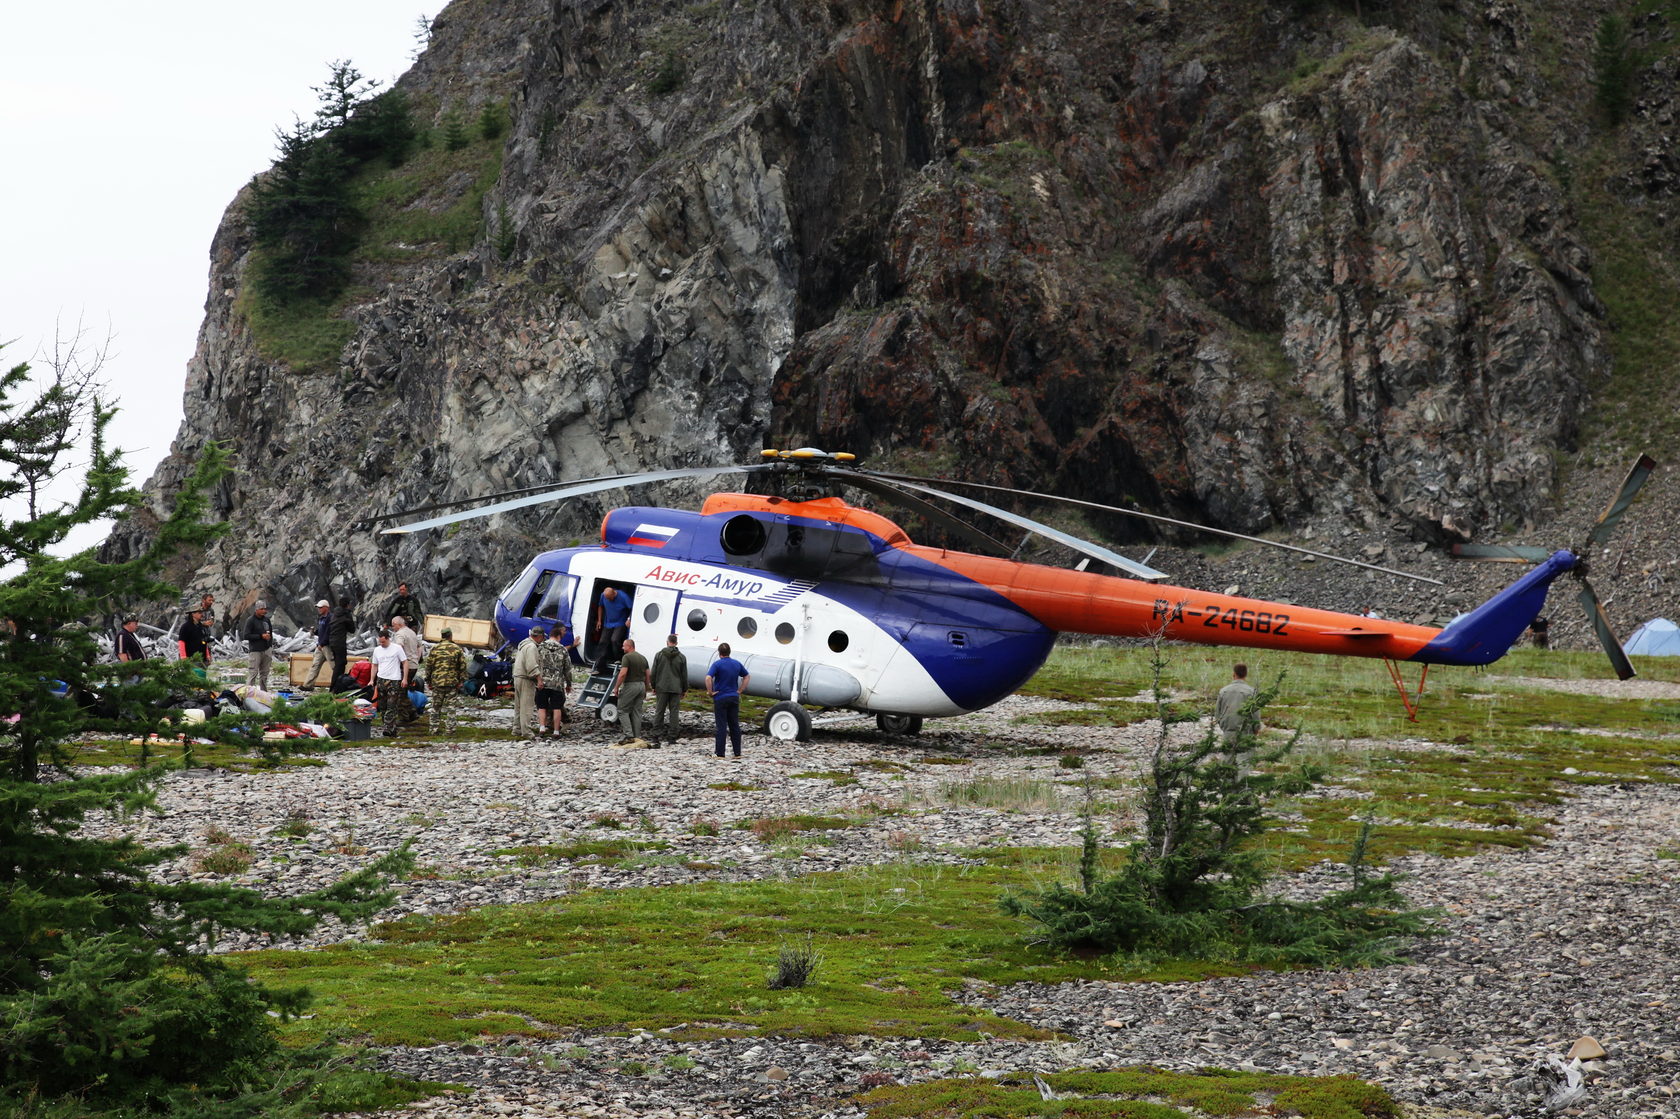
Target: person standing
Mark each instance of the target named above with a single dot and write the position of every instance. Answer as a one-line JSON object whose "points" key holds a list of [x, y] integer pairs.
{"points": [[525, 682], [407, 604], [725, 681], [670, 681], [259, 639], [195, 637], [323, 641], [129, 649], [410, 642], [339, 628], [1232, 711], [390, 682], [207, 614], [446, 671], [635, 676], [612, 625], [554, 679]]}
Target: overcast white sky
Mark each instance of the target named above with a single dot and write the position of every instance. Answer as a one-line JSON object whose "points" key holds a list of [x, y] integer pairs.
{"points": [[125, 130]]}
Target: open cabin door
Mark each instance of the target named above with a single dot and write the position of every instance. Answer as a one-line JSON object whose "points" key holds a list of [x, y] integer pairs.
{"points": [[654, 618]]}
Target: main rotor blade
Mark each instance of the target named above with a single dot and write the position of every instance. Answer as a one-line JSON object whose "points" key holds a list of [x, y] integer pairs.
{"points": [[916, 505], [1606, 636], [578, 489], [1624, 497], [1084, 547], [1500, 553], [903, 478], [369, 522]]}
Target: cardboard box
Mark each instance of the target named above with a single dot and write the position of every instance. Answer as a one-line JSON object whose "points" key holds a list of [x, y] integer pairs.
{"points": [[297, 670], [473, 633]]}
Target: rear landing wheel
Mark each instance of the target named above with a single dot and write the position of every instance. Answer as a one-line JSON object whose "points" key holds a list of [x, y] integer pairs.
{"points": [[899, 724], [787, 722]]}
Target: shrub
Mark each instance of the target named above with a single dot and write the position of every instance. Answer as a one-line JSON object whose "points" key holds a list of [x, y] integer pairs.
{"points": [[796, 965], [1192, 882]]}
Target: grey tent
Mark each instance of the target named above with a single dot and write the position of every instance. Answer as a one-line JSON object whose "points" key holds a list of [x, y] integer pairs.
{"points": [[1658, 637]]}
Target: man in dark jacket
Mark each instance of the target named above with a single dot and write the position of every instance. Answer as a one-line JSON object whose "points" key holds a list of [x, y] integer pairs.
{"points": [[339, 627], [407, 606], [195, 637], [259, 638]]}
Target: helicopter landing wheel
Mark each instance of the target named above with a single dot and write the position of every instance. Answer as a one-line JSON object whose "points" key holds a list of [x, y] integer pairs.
{"points": [[788, 722], [899, 724], [609, 712]]}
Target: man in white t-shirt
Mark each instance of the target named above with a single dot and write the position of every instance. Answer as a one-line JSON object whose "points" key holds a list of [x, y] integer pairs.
{"points": [[390, 681]]}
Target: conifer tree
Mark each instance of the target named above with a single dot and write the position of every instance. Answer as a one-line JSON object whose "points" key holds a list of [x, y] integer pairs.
{"points": [[108, 993]]}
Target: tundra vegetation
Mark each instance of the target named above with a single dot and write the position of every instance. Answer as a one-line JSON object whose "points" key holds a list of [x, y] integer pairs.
{"points": [[1492, 752]]}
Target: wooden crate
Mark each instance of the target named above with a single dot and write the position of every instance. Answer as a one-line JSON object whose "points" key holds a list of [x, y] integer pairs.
{"points": [[472, 632], [297, 671]]}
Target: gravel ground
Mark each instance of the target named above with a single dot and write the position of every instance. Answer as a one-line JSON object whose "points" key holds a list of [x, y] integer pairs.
{"points": [[1574, 938]]}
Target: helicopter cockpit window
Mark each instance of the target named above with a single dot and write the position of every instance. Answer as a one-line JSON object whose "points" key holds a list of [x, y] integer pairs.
{"points": [[557, 600], [538, 593], [837, 641], [696, 620], [515, 595], [743, 536], [784, 633], [747, 627]]}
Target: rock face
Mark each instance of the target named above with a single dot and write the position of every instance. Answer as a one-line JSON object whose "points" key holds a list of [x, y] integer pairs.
{"points": [[1245, 263]]}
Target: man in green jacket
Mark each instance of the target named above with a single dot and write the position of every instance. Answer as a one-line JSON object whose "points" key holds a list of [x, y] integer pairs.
{"points": [[670, 681]]}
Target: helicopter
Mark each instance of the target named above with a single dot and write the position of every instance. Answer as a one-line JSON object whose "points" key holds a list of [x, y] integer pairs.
{"points": [[833, 606]]}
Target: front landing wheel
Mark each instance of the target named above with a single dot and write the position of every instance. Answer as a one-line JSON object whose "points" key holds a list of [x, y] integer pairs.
{"points": [[788, 722], [899, 724]]}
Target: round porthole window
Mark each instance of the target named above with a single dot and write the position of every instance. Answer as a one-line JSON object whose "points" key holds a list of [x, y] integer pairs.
{"points": [[748, 627], [837, 641], [696, 620], [650, 613], [784, 633]]}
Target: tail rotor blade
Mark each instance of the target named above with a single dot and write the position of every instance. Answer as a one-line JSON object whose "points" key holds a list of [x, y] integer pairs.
{"points": [[1624, 497], [1606, 636]]}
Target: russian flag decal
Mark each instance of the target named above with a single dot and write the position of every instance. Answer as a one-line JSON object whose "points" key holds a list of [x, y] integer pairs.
{"points": [[651, 536]]}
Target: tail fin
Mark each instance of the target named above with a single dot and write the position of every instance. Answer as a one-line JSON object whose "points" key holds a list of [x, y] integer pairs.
{"points": [[1488, 632]]}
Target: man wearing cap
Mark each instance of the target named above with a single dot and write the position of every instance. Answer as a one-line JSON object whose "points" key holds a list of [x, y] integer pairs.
{"points": [[259, 638], [195, 637], [323, 639], [526, 669], [446, 671]]}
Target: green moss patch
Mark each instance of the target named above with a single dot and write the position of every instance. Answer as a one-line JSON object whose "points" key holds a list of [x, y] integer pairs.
{"points": [[1144, 1093], [583, 851], [894, 939]]}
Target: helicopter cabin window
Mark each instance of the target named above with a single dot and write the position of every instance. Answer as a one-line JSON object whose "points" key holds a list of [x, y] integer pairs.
{"points": [[650, 613], [747, 627], [784, 633], [556, 601], [837, 641], [696, 620]]}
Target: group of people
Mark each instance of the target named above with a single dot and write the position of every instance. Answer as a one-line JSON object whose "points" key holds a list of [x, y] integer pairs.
{"points": [[542, 678]]}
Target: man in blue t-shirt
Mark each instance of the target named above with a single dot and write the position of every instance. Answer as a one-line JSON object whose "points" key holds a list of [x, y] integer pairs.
{"points": [[612, 626], [725, 681]]}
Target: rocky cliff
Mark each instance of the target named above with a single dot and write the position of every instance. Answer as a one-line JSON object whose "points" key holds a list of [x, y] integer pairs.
{"points": [[1257, 264]]}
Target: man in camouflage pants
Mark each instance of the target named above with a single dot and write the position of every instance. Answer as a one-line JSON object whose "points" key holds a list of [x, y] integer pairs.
{"points": [[446, 671]]}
